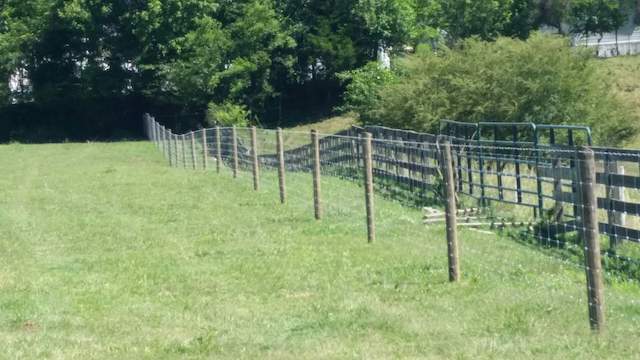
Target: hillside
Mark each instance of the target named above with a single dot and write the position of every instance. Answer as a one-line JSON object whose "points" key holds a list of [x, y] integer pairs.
{"points": [[625, 72], [107, 252]]}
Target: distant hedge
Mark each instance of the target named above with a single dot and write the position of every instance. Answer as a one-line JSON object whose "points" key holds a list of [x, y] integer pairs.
{"points": [[541, 80], [94, 119]]}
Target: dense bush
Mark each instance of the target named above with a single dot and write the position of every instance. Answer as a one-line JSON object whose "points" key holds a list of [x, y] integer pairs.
{"points": [[280, 58], [540, 80], [68, 120], [228, 114], [363, 89]]}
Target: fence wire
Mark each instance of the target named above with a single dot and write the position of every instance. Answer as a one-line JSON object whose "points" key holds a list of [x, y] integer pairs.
{"points": [[534, 194]]}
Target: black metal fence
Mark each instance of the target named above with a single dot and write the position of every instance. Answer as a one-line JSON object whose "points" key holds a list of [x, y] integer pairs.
{"points": [[524, 177]]}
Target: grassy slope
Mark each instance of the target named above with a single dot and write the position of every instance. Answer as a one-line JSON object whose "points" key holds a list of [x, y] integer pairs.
{"points": [[105, 252], [625, 70], [328, 126]]}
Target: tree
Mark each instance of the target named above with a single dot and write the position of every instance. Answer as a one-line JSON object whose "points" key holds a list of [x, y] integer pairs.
{"points": [[486, 19], [387, 23], [21, 25], [186, 54], [363, 90], [195, 73], [525, 15], [428, 25], [262, 56], [619, 18], [554, 13], [595, 16]]}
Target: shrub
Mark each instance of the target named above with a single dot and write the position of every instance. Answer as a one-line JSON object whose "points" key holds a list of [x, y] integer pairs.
{"points": [[541, 80], [228, 114], [363, 89]]}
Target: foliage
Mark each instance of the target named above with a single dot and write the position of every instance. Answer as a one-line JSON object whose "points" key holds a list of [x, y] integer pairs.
{"points": [[195, 74], [554, 12], [541, 80], [595, 16], [525, 16], [484, 18], [363, 89], [625, 72], [387, 22], [21, 24], [228, 114], [275, 57]]}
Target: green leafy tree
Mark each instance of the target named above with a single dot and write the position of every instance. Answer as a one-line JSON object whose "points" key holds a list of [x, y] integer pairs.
{"points": [[161, 30], [554, 13], [21, 25], [228, 51], [195, 73], [262, 54], [184, 54], [595, 16], [428, 22], [387, 22], [525, 15], [363, 89], [486, 19], [619, 18]]}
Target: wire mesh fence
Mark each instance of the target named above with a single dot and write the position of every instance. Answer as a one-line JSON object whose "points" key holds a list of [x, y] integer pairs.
{"points": [[580, 204]]}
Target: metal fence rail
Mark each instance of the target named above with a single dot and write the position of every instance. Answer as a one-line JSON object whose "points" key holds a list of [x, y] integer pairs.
{"points": [[516, 173]]}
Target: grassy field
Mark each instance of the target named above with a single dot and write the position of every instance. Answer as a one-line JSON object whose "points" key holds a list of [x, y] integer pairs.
{"points": [[106, 252], [330, 125], [625, 70]]}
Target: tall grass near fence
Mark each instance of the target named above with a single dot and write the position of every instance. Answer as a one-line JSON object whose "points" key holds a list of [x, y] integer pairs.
{"points": [[416, 165]]}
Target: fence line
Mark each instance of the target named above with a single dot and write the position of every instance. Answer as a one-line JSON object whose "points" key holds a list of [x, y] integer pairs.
{"points": [[506, 178]]}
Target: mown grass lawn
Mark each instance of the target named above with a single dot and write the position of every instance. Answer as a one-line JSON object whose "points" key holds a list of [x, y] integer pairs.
{"points": [[624, 71], [105, 252]]}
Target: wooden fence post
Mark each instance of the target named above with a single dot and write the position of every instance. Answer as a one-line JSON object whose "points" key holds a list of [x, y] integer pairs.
{"points": [[317, 205], [156, 136], [157, 132], [193, 150], [614, 193], [176, 153], [160, 140], [256, 160], [163, 148], [184, 151], [218, 150], [354, 153], [358, 155], [205, 150], [154, 131], [235, 151], [591, 242], [450, 210], [165, 143], [368, 187], [170, 146], [281, 167], [558, 207], [145, 121]]}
